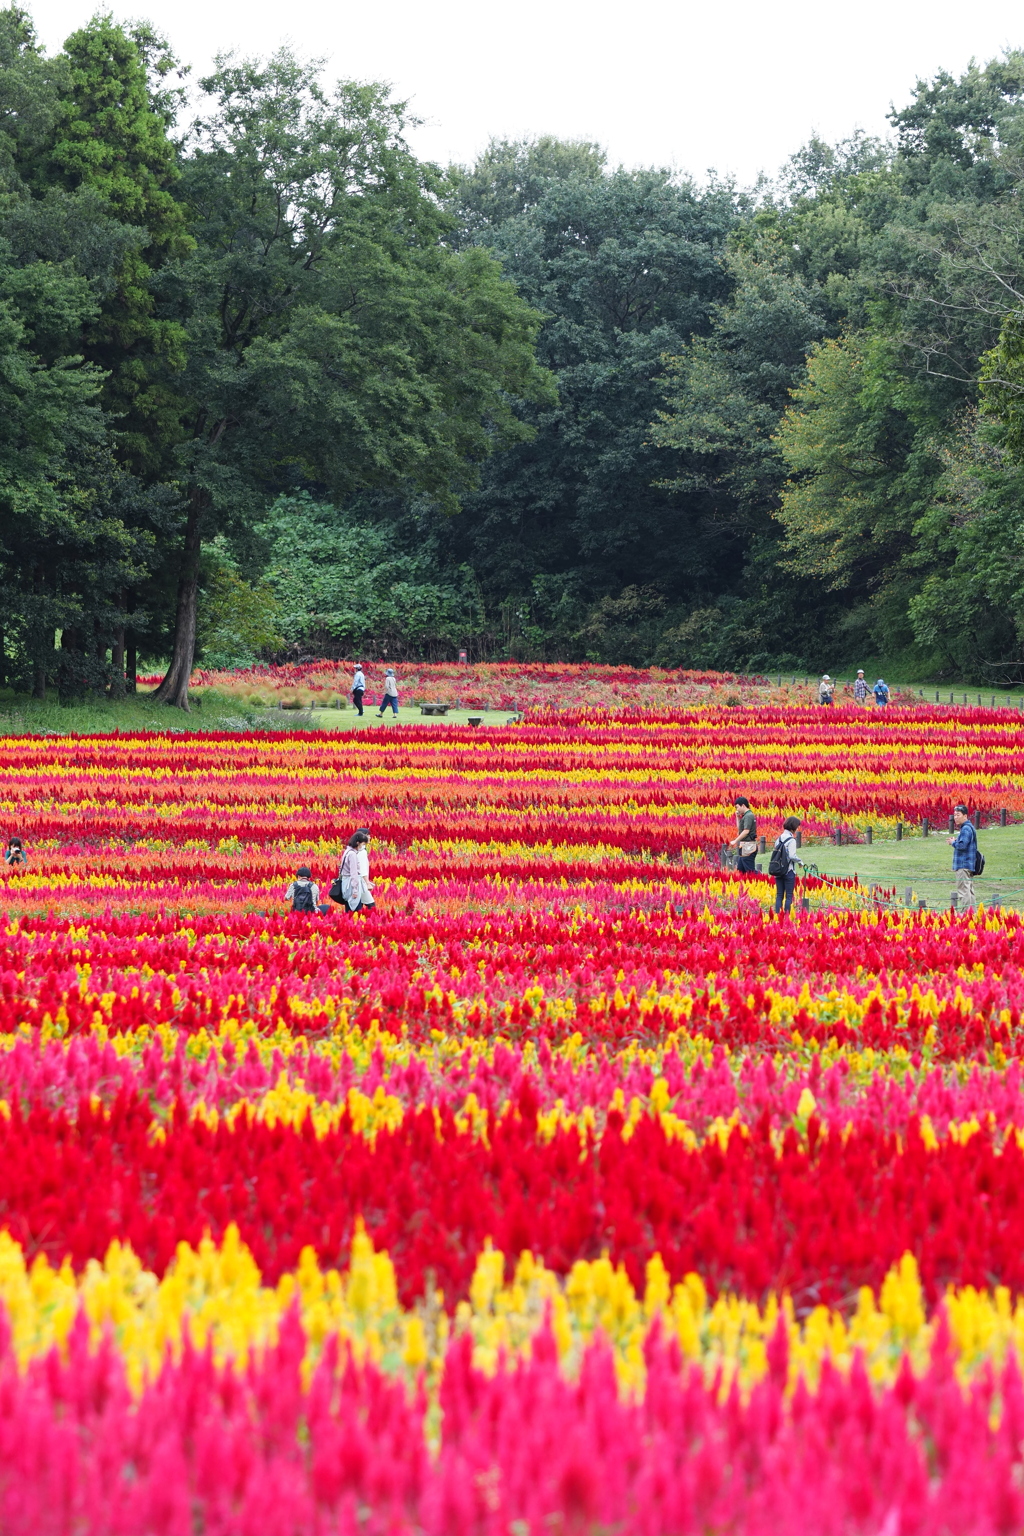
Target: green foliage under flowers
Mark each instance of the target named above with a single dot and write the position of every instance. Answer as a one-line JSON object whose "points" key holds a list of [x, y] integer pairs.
{"points": [[239, 621], [346, 584]]}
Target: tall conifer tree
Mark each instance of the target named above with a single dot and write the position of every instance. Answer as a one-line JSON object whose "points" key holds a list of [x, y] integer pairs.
{"points": [[111, 138]]}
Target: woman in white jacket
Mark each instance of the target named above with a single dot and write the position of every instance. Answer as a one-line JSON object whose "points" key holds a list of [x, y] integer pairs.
{"points": [[354, 874]]}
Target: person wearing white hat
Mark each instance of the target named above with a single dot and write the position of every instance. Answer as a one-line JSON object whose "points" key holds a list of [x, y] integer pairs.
{"points": [[826, 690], [358, 687], [860, 688]]}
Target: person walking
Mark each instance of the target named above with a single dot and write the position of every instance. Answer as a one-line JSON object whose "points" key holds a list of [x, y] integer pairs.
{"points": [[881, 693], [14, 853], [390, 694], [354, 874], [826, 690], [783, 863], [745, 841], [358, 688], [860, 688], [964, 842], [304, 893]]}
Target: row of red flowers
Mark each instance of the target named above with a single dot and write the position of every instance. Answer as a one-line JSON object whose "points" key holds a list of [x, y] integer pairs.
{"points": [[885, 980], [657, 784], [813, 1213]]}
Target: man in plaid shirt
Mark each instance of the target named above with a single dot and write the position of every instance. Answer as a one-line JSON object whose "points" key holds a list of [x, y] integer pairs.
{"points": [[965, 848]]}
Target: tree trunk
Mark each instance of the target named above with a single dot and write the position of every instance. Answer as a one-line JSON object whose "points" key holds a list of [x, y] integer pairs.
{"points": [[131, 645], [39, 656], [117, 665], [117, 688], [174, 688], [70, 666]]}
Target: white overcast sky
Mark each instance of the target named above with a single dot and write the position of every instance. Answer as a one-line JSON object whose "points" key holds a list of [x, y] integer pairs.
{"points": [[736, 87]]}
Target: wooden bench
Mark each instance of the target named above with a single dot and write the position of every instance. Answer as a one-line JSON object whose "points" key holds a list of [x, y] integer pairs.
{"points": [[434, 709]]}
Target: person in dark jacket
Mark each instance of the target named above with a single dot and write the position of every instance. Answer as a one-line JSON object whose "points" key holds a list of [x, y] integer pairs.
{"points": [[358, 688], [964, 842], [785, 884]]}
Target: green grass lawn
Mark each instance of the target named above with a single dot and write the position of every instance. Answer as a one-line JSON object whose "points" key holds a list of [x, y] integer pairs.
{"points": [[925, 865], [210, 712], [348, 720], [134, 713]]}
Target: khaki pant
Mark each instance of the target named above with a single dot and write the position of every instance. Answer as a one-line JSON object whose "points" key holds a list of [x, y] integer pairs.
{"points": [[964, 891]]}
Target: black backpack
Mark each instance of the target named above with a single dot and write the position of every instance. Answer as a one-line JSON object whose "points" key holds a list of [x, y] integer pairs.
{"points": [[979, 861], [302, 898], [779, 863]]}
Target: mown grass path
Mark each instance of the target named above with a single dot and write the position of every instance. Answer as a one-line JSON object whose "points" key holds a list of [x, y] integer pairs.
{"points": [[925, 864]]}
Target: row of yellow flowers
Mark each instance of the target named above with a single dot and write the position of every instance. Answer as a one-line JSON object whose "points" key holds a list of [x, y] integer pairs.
{"points": [[213, 1296]]}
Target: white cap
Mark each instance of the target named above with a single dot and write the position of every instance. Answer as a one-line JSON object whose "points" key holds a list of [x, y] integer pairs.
{"points": [[826, 678]]}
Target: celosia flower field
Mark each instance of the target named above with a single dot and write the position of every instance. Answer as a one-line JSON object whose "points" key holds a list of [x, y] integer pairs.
{"points": [[568, 1190], [489, 685]]}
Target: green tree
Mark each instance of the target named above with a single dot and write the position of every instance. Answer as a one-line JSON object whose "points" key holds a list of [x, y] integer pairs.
{"points": [[29, 103], [969, 611], [726, 391], [947, 135], [334, 340], [111, 139], [863, 471], [725, 394], [909, 253], [87, 224], [343, 581], [238, 620], [626, 267], [1002, 380], [944, 270], [512, 175], [848, 440], [67, 543]]}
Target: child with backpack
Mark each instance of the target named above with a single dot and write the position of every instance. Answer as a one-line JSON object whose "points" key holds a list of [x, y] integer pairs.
{"points": [[783, 863], [304, 893]]}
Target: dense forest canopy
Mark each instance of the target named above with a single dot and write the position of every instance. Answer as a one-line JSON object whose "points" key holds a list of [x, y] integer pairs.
{"points": [[269, 383]]}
